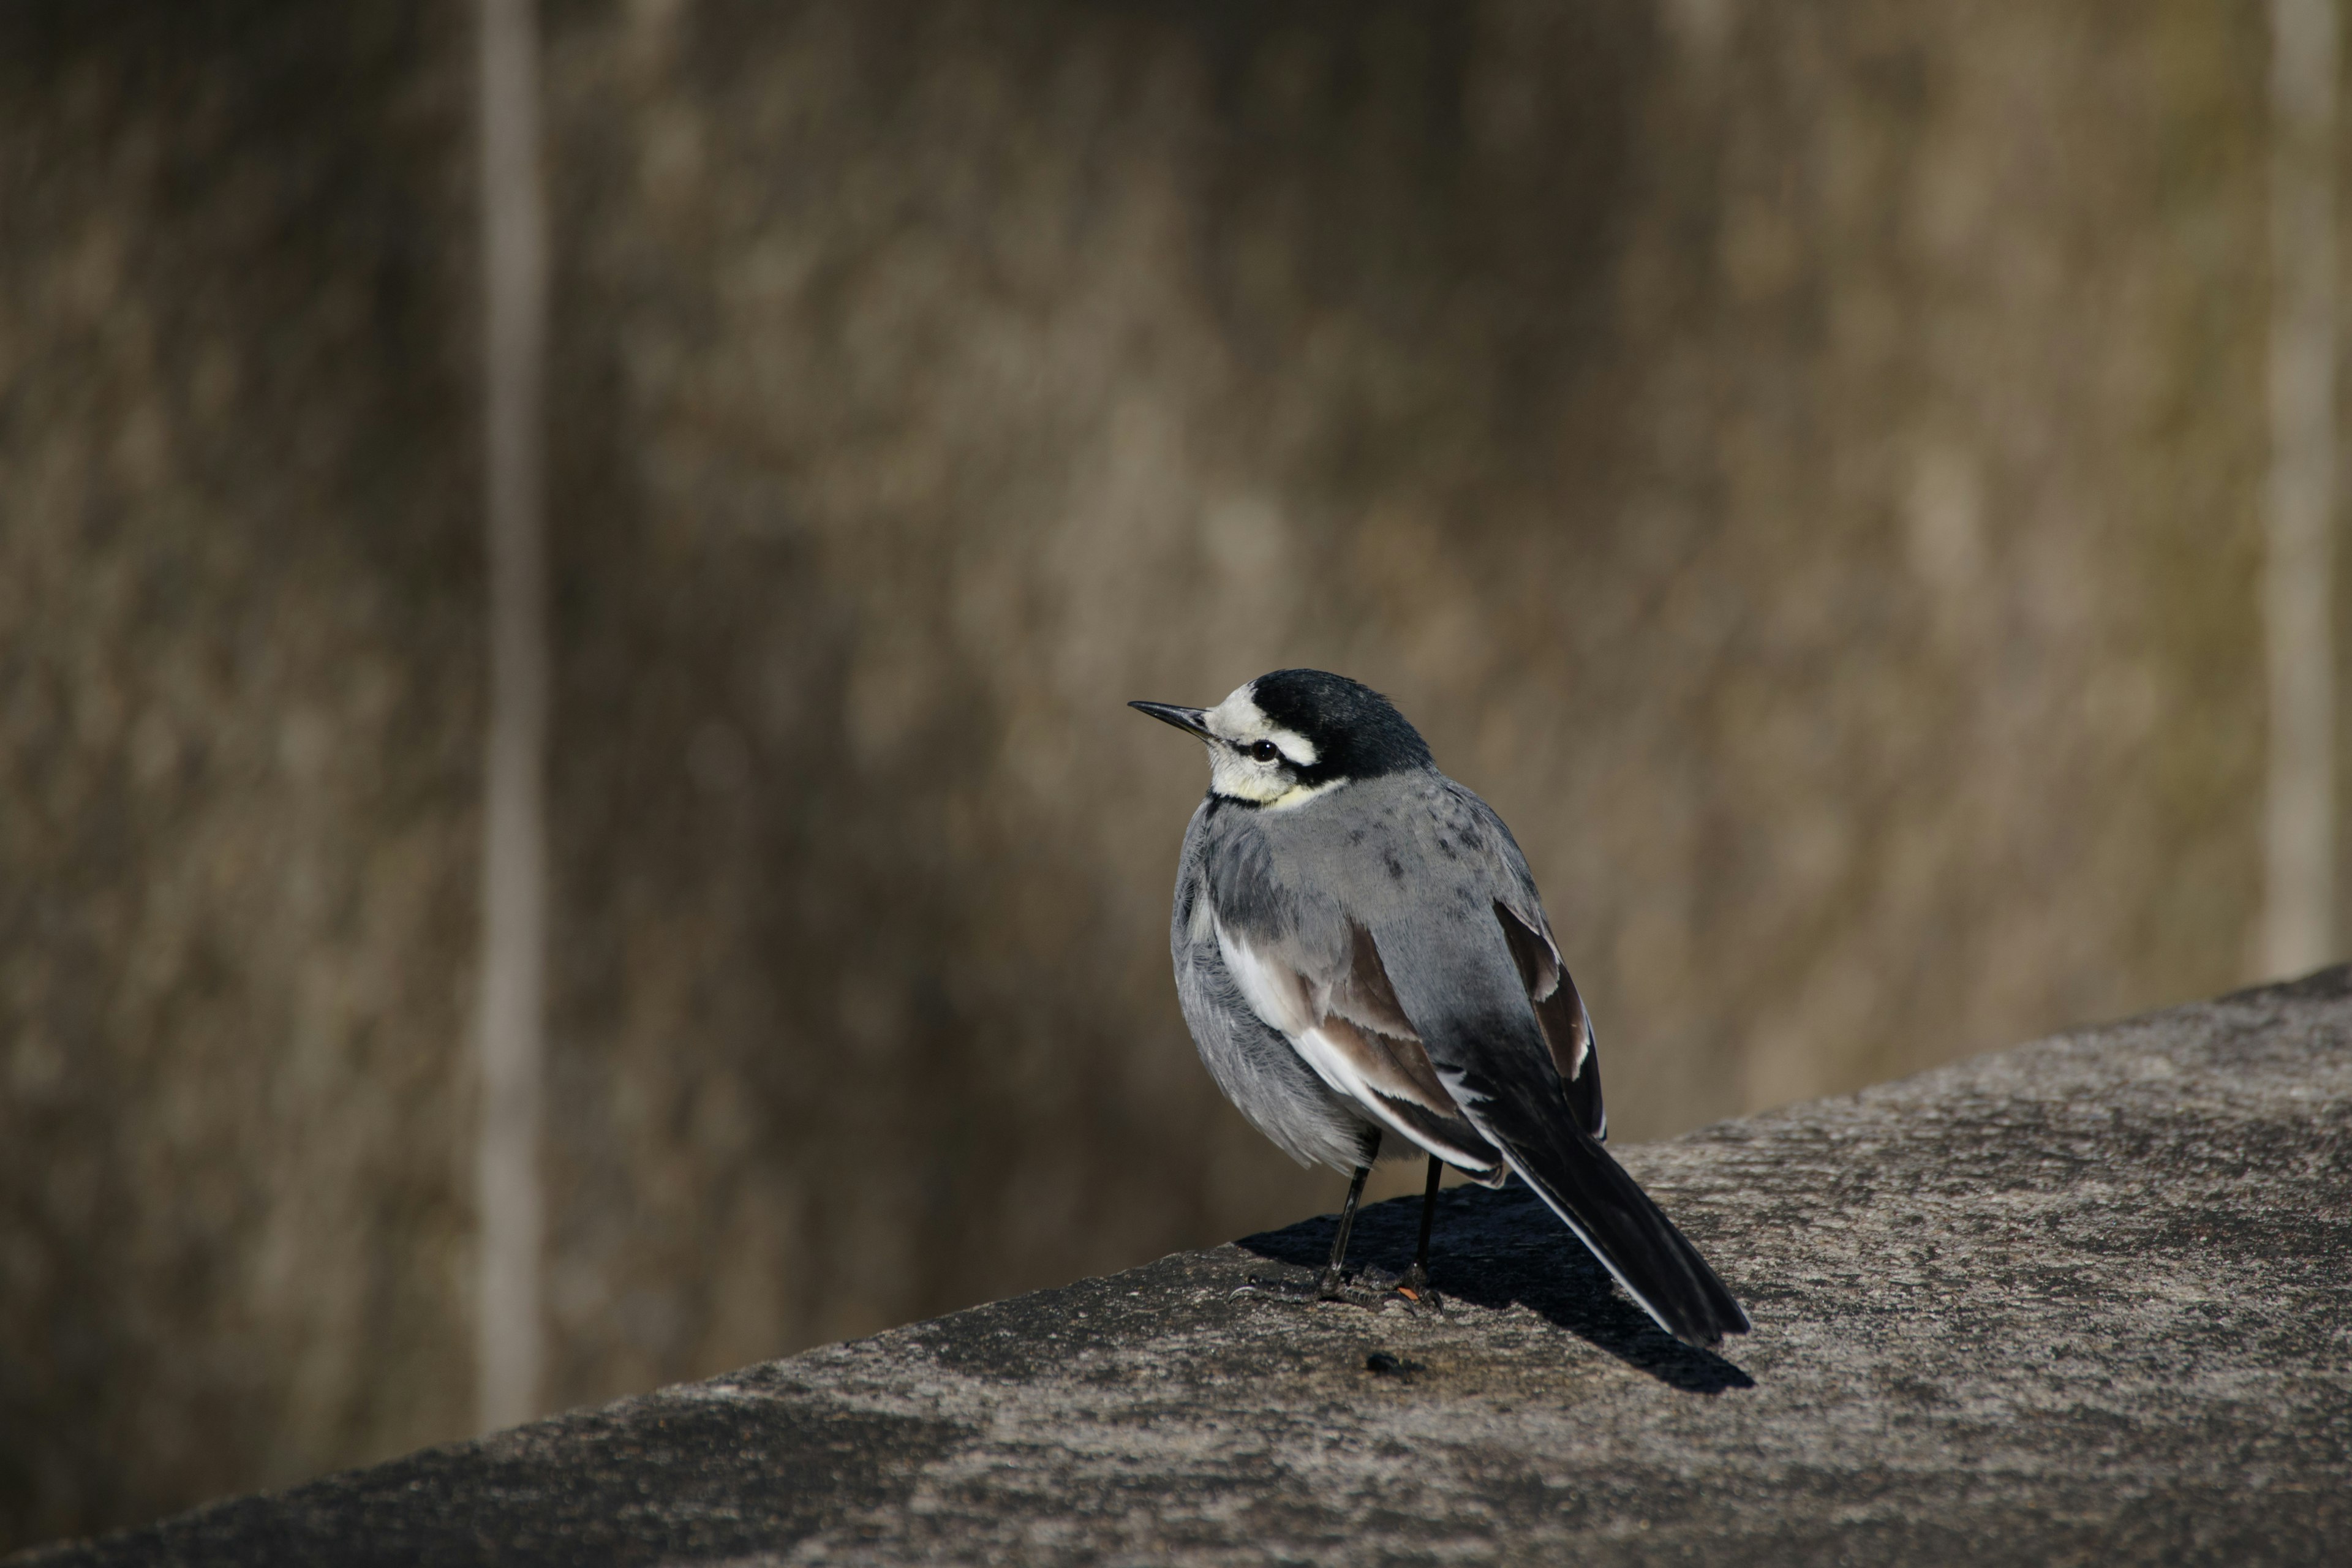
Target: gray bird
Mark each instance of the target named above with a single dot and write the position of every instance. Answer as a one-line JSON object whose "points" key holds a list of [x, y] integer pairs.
{"points": [[1360, 952]]}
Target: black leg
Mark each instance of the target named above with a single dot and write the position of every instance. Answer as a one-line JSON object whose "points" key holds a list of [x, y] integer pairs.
{"points": [[1328, 1286], [1416, 1278]]}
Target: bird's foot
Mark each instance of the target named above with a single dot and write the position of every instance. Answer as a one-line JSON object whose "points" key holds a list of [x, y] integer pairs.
{"points": [[1372, 1288], [1327, 1287], [1418, 1293]]}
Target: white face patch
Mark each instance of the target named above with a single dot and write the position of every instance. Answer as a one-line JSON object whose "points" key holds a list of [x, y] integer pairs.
{"points": [[1239, 719], [1239, 725]]}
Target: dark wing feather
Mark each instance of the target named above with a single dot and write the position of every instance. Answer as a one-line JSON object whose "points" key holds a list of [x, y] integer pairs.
{"points": [[1459, 984], [1423, 1113], [1560, 1012]]}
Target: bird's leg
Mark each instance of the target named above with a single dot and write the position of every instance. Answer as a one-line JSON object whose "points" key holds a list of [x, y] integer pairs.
{"points": [[1328, 1287], [1415, 1282]]}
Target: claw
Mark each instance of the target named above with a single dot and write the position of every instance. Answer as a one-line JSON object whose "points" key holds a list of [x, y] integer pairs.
{"points": [[1304, 1295], [1414, 1287]]}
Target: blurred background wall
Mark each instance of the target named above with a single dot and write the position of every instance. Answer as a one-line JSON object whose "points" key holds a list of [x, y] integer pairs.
{"points": [[1803, 465]]}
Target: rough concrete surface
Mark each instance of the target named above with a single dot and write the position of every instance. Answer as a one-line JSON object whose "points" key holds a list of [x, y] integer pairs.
{"points": [[2085, 1301]]}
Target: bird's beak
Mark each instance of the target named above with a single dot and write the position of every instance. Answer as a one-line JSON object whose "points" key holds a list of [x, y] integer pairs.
{"points": [[1187, 718]]}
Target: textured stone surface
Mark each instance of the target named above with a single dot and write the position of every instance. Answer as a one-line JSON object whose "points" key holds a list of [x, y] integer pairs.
{"points": [[2085, 1301]]}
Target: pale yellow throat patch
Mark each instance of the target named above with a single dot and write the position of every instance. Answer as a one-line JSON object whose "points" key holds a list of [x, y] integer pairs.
{"points": [[1299, 795]]}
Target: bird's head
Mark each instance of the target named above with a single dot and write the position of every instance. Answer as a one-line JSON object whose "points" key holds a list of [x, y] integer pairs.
{"points": [[1290, 737]]}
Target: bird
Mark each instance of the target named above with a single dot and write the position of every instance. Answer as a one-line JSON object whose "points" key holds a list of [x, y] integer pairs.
{"points": [[1362, 956]]}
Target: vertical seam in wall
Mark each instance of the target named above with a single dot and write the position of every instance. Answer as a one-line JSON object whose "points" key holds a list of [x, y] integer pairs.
{"points": [[509, 1345], [2299, 829]]}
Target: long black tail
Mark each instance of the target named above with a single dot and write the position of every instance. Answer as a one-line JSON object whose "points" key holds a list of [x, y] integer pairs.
{"points": [[1466, 997], [1628, 1234]]}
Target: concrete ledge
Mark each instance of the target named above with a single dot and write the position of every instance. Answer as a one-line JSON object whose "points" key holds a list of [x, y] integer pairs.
{"points": [[2088, 1301]]}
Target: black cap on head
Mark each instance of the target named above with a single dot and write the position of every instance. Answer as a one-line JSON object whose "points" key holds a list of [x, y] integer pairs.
{"points": [[1357, 733]]}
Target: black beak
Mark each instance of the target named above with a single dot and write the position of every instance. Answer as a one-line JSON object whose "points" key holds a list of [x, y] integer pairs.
{"points": [[1186, 718]]}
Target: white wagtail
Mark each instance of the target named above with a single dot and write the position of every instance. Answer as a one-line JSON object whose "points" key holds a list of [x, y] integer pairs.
{"points": [[1361, 949]]}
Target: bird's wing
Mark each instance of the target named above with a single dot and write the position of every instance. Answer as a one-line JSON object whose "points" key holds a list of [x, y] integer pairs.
{"points": [[1344, 1022], [1535, 953], [1560, 1013], [1463, 984]]}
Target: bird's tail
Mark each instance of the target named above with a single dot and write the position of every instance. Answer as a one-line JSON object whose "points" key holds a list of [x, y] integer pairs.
{"points": [[1628, 1233]]}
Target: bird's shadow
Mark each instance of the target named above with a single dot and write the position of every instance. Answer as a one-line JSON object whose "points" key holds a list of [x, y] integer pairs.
{"points": [[1492, 1249]]}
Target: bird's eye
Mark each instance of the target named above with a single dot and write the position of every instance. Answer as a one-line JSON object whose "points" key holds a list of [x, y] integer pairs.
{"points": [[1264, 751]]}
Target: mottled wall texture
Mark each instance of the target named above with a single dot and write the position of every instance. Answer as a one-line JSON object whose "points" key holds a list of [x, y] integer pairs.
{"points": [[240, 699], [1800, 463]]}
